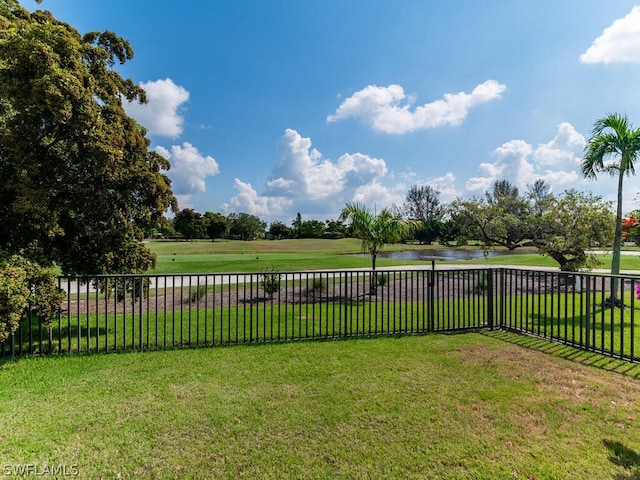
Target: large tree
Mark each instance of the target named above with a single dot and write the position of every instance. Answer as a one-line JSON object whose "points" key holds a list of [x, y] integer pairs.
{"points": [[190, 224], [540, 197], [217, 225], [568, 227], [374, 230], [423, 205], [312, 229], [78, 183], [279, 230], [501, 217], [246, 226], [613, 148]]}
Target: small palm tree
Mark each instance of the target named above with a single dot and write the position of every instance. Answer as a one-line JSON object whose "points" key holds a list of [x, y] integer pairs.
{"points": [[375, 230], [613, 148]]}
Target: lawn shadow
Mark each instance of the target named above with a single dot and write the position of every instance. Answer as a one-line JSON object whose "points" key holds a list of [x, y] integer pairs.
{"points": [[624, 457], [567, 352]]}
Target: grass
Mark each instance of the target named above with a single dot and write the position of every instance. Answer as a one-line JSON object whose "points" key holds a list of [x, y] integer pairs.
{"points": [[465, 407], [196, 323], [287, 255], [627, 262], [176, 257]]}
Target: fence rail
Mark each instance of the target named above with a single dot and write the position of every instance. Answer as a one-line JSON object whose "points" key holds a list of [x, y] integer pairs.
{"points": [[141, 312]]}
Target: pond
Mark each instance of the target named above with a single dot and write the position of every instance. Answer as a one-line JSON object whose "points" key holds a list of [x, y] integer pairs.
{"points": [[446, 254]]}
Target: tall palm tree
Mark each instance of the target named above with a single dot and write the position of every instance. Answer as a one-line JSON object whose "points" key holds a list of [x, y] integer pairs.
{"points": [[613, 148], [374, 230]]}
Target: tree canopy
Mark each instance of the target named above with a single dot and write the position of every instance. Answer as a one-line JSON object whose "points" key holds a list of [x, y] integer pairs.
{"points": [[423, 205], [246, 226], [374, 230], [574, 221], [500, 218], [79, 185], [217, 224], [190, 224]]}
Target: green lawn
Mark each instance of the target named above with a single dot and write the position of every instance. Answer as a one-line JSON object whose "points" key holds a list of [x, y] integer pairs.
{"points": [[313, 254], [440, 406], [562, 317], [255, 256], [627, 262]]}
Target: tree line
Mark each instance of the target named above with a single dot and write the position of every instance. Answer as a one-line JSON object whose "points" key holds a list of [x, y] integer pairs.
{"points": [[189, 224]]}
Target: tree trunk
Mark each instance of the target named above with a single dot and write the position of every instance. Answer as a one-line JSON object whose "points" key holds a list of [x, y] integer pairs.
{"points": [[617, 243]]}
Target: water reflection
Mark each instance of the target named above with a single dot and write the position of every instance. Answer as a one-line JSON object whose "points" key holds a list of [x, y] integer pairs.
{"points": [[445, 254]]}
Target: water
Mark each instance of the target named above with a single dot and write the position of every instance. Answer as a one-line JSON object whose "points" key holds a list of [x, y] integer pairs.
{"points": [[445, 254]]}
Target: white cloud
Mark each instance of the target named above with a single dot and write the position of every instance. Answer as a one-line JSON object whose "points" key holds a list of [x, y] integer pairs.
{"points": [[446, 185], [302, 172], [248, 201], [304, 179], [160, 115], [556, 162], [387, 109], [565, 149], [619, 42], [378, 196], [189, 170]]}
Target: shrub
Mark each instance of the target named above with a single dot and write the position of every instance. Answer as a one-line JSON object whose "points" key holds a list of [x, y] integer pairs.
{"points": [[26, 287], [198, 293], [317, 285], [270, 281]]}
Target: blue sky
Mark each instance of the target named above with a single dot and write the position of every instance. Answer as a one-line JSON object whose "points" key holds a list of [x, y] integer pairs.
{"points": [[277, 107]]}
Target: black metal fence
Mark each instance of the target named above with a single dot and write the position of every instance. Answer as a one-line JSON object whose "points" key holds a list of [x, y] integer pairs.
{"points": [[113, 313], [581, 310]]}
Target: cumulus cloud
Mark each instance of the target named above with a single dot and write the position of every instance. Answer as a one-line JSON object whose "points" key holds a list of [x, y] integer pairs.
{"points": [[161, 114], [556, 162], [566, 148], [379, 196], [189, 170], [248, 201], [446, 185], [301, 171], [619, 43], [302, 177], [388, 109]]}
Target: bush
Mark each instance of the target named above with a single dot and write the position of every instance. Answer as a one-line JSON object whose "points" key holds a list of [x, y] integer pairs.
{"points": [[26, 287], [270, 281], [317, 285], [198, 293]]}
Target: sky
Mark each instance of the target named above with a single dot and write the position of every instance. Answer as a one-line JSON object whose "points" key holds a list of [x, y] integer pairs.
{"points": [[279, 107]]}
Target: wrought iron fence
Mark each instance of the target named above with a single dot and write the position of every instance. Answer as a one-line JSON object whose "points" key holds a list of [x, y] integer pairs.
{"points": [[140, 312], [578, 309]]}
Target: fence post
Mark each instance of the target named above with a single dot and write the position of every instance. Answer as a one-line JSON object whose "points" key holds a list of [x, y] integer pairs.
{"points": [[138, 284], [432, 286], [490, 299], [588, 315]]}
